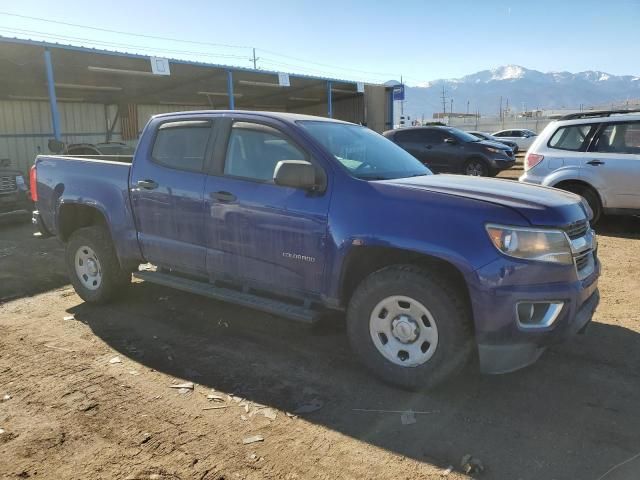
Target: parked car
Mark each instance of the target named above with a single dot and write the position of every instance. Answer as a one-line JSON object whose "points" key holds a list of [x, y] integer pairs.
{"points": [[14, 193], [107, 148], [521, 136], [593, 154], [446, 149], [297, 215], [490, 138]]}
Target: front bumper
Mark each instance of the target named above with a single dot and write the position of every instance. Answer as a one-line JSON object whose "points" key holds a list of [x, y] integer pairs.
{"points": [[502, 163], [14, 205], [503, 345]]}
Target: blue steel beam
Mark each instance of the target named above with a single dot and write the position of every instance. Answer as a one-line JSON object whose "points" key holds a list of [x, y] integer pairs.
{"points": [[232, 102], [53, 103]]}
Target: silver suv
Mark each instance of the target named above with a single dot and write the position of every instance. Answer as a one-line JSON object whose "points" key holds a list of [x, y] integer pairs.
{"points": [[593, 154]]}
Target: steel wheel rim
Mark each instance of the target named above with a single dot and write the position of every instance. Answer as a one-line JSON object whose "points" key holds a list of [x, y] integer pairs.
{"points": [[475, 169], [88, 268], [403, 331]]}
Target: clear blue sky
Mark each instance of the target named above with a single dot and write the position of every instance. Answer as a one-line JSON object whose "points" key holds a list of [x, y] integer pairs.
{"points": [[359, 40]]}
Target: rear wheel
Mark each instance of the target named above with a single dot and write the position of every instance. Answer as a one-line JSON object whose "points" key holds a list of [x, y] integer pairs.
{"points": [[94, 269], [408, 327], [476, 167]]}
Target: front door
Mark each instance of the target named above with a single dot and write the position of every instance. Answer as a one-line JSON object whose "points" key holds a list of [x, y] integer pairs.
{"points": [[261, 233], [167, 185], [614, 159]]}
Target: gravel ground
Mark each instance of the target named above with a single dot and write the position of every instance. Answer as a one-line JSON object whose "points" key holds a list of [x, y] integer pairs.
{"points": [[75, 412]]}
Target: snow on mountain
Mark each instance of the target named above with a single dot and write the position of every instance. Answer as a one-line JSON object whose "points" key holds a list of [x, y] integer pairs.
{"points": [[524, 89]]}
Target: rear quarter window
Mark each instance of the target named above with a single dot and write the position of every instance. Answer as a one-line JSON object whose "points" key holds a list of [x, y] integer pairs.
{"points": [[572, 137]]}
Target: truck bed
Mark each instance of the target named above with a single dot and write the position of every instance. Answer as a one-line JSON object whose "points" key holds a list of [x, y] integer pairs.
{"points": [[65, 181]]}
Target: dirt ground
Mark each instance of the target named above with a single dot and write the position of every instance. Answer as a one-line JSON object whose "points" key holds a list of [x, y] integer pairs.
{"points": [[69, 412]]}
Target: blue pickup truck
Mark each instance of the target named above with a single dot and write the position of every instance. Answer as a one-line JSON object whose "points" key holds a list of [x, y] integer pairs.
{"points": [[298, 215]]}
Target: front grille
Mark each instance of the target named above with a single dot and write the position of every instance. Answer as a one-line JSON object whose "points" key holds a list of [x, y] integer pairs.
{"points": [[583, 261], [8, 184], [577, 229]]}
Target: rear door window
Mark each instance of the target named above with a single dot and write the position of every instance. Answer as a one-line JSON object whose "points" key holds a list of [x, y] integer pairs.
{"points": [[620, 137], [572, 137], [182, 145], [410, 136]]}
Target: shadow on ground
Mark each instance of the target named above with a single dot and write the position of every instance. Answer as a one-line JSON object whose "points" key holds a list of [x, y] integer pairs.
{"points": [[573, 415], [619, 226], [28, 264]]}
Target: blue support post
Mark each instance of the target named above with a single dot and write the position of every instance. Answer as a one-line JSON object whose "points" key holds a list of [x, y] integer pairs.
{"points": [[329, 100], [232, 102], [53, 103]]}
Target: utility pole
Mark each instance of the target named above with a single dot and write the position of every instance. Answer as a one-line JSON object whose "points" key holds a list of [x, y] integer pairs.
{"points": [[444, 103], [254, 60], [507, 107], [467, 107], [451, 108], [500, 111]]}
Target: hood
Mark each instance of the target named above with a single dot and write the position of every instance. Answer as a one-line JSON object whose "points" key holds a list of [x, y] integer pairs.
{"points": [[489, 143], [541, 206]]}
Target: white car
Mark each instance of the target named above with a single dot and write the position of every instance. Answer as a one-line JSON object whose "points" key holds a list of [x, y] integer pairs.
{"points": [[521, 136], [593, 154]]}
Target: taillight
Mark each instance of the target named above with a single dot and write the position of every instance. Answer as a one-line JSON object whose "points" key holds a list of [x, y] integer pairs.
{"points": [[531, 160], [33, 184]]}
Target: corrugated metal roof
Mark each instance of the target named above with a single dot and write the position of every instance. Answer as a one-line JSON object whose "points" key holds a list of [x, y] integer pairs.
{"points": [[85, 49]]}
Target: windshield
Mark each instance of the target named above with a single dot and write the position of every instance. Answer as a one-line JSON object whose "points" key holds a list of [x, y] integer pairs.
{"points": [[364, 153], [463, 136]]}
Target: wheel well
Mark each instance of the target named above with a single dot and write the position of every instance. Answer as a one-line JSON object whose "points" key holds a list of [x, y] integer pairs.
{"points": [[72, 217], [363, 261], [573, 185]]}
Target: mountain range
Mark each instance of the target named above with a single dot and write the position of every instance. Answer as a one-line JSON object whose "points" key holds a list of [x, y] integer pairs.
{"points": [[523, 89]]}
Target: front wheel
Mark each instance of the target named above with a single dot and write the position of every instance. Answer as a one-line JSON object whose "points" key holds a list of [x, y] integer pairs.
{"points": [[409, 328], [476, 168], [94, 269], [592, 198]]}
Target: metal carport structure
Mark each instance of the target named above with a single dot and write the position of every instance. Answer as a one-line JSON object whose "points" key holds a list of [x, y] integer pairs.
{"points": [[72, 78]]}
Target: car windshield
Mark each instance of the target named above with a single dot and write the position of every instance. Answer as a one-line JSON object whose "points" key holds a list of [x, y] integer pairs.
{"points": [[365, 154], [462, 135]]}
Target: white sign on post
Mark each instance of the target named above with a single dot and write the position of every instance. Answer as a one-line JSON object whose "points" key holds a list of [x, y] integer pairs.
{"points": [[283, 79], [160, 66], [360, 87]]}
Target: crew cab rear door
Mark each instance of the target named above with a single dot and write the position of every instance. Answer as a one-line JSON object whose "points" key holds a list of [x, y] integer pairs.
{"points": [[260, 233], [614, 158], [167, 188]]}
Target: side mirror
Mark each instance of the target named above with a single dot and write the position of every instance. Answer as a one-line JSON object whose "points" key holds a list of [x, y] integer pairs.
{"points": [[451, 141], [295, 173]]}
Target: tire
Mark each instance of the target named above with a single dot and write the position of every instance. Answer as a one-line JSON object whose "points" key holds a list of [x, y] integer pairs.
{"points": [[592, 198], [447, 349], [476, 167], [93, 267]]}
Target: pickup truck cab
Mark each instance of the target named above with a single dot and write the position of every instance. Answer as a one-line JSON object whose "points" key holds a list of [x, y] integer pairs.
{"points": [[298, 215]]}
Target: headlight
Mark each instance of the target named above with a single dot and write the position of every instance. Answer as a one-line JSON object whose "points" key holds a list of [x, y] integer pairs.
{"points": [[20, 180], [493, 150], [532, 244]]}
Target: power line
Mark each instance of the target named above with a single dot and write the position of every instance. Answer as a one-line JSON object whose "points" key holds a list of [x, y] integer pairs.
{"points": [[107, 30], [115, 44], [193, 42]]}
